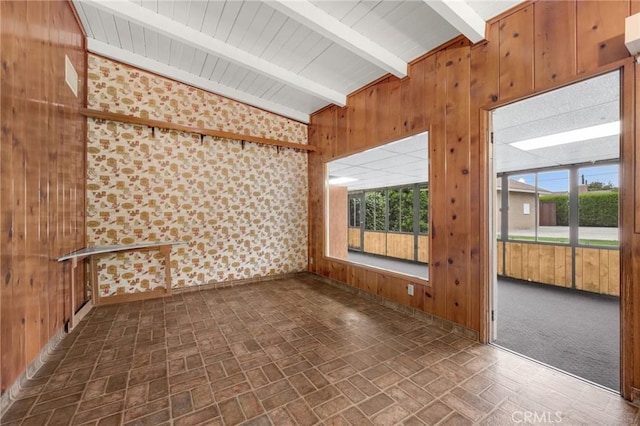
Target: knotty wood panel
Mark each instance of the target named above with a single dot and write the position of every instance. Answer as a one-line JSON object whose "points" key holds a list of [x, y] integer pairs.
{"points": [[457, 220], [399, 292], [554, 61], [394, 123], [438, 191], [547, 264], [516, 54], [338, 221], [413, 99], [531, 262], [400, 246], [389, 106], [637, 145], [357, 277], [354, 237], [29, 218], [598, 270], [371, 283], [338, 271], [562, 266], [613, 272], [423, 248], [375, 243], [322, 134], [370, 128], [513, 267], [356, 122], [386, 285], [417, 300], [42, 187], [600, 33], [432, 108], [543, 263]]}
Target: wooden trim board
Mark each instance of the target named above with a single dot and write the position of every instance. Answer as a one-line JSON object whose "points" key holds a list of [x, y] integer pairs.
{"points": [[123, 118]]}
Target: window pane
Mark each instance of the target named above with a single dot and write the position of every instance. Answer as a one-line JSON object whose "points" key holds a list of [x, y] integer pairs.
{"points": [[354, 211], [598, 205], [522, 200], [394, 210], [375, 206], [406, 210], [424, 210], [553, 207], [401, 210]]}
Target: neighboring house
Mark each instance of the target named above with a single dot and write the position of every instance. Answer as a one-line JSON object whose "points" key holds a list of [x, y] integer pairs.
{"points": [[522, 204]]}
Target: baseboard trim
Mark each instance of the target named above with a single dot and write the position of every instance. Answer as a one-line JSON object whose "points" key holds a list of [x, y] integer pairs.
{"points": [[215, 285], [635, 398], [11, 394], [407, 310]]}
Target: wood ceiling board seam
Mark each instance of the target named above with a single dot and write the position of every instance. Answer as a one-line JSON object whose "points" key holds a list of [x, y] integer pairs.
{"points": [[194, 38], [95, 24], [198, 62], [150, 43], [136, 33], [243, 23], [197, 12], [323, 23]]}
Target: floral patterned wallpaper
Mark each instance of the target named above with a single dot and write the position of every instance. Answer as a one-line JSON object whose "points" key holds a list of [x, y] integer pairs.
{"points": [[122, 89], [242, 211]]}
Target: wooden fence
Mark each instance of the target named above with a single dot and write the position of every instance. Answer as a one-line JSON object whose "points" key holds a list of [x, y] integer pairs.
{"points": [[596, 269], [400, 246]]}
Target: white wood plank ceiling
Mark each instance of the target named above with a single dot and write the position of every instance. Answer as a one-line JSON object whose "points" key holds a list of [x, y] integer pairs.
{"points": [[291, 57]]}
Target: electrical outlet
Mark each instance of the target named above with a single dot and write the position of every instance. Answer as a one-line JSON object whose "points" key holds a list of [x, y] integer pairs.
{"points": [[311, 260], [410, 289]]}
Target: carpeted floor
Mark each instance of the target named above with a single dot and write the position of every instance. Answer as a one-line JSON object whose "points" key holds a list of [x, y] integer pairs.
{"points": [[575, 331]]}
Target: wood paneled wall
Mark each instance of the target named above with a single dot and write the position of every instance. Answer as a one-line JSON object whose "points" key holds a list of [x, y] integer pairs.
{"points": [[541, 263], [400, 246], [535, 47], [338, 222], [42, 164], [598, 270], [354, 238]]}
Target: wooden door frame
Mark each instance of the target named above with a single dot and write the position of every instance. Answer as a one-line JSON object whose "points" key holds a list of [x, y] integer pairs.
{"points": [[626, 68]]}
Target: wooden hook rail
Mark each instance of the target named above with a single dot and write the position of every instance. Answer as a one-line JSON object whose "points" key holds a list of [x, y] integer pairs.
{"points": [[123, 118]]}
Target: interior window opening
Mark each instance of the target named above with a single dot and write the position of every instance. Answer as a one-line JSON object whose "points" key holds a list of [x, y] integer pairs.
{"points": [[385, 191]]}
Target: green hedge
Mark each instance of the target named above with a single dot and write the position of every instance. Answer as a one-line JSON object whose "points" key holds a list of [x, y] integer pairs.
{"points": [[598, 209], [595, 208]]}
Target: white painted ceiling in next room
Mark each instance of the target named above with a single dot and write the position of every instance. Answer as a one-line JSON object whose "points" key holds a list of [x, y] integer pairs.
{"points": [[398, 163], [291, 57], [553, 118]]}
